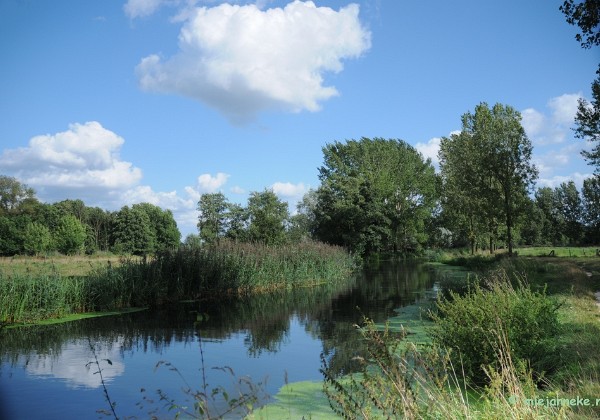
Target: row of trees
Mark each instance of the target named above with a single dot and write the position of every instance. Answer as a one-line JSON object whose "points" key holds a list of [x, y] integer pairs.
{"points": [[28, 226], [379, 195], [266, 219]]}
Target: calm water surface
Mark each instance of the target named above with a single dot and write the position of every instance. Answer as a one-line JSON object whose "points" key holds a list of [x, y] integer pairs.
{"points": [[45, 372]]}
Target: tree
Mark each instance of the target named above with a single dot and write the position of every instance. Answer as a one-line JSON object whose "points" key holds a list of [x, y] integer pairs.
{"points": [[13, 194], [552, 226], [504, 161], [376, 195], [268, 217], [302, 224], [163, 226], [570, 207], [213, 217], [99, 222], [132, 232], [10, 236], [587, 123], [237, 222], [591, 208], [36, 238], [70, 235], [586, 15], [467, 191]]}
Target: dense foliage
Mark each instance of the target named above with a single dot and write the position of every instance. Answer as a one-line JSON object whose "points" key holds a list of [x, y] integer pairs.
{"points": [[487, 172], [28, 226], [376, 195], [469, 325]]}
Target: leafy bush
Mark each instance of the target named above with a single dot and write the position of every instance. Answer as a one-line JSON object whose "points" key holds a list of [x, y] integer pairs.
{"points": [[469, 324]]}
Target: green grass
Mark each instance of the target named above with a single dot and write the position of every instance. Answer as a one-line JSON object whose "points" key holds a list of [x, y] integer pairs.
{"points": [[545, 251], [76, 265]]}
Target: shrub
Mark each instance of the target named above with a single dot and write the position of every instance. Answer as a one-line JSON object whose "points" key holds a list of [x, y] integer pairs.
{"points": [[468, 325]]}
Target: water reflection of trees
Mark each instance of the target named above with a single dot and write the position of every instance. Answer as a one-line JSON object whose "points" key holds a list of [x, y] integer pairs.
{"points": [[328, 312]]}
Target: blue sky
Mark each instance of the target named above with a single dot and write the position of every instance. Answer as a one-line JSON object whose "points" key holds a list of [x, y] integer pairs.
{"points": [[118, 102]]}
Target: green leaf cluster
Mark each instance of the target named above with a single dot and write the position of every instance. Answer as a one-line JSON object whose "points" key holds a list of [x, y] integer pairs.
{"points": [[376, 195]]}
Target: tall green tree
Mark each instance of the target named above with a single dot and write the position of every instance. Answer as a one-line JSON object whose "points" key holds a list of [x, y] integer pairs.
{"points": [[586, 15], [99, 222], [163, 226], [587, 124], [37, 238], [13, 194], [570, 206], [11, 237], [70, 235], [469, 201], [504, 160], [213, 216], [553, 222], [268, 217], [591, 208], [237, 222], [375, 195], [302, 224], [132, 232]]}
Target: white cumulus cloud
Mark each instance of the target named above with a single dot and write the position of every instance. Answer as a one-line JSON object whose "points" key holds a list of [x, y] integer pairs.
{"points": [[85, 157], [552, 127], [241, 60], [206, 183], [287, 189]]}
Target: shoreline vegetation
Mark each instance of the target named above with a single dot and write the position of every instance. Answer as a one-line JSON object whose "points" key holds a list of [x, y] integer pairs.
{"points": [[514, 338], [33, 290]]}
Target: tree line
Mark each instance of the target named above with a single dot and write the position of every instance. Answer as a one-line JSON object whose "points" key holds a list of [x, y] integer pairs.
{"points": [[376, 196], [382, 196], [28, 226]]}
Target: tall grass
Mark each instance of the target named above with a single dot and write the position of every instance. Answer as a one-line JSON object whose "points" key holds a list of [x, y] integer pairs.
{"points": [[172, 276]]}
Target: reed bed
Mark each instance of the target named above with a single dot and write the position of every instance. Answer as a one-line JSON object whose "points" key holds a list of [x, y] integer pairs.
{"points": [[241, 267], [226, 267]]}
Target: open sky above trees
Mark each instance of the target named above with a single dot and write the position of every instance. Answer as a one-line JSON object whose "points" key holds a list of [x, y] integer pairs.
{"points": [[159, 101]]}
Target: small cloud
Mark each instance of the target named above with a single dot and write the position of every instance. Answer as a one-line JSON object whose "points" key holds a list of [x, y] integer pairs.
{"points": [[287, 189], [237, 190], [206, 183], [241, 60], [210, 184], [141, 8]]}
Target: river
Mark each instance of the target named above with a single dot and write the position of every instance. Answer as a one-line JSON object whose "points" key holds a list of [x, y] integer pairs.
{"points": [[50, 372]]}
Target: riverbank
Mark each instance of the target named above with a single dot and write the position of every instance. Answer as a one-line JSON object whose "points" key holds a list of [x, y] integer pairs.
{"points": [[572, 283], [43, 292]]}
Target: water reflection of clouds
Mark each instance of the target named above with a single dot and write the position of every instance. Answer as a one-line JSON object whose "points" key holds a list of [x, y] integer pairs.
{"points": [[72, 363]]}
